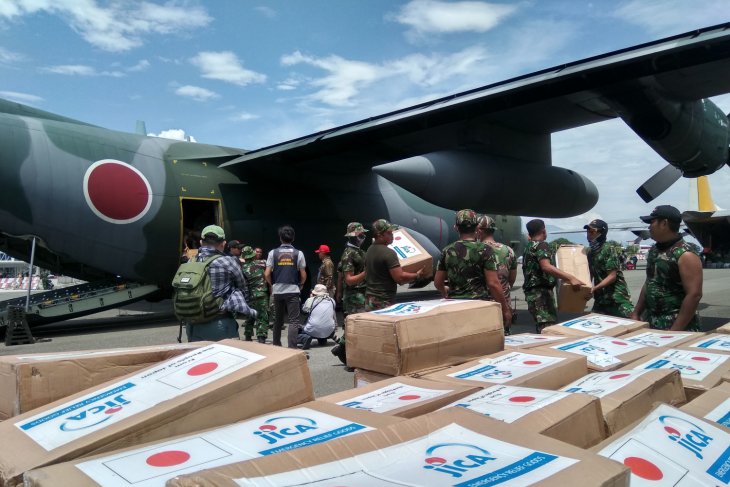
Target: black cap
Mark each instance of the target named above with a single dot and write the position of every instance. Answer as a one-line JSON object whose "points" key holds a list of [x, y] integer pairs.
{"points": [[597, 224], [234, 244], [663, 211]]}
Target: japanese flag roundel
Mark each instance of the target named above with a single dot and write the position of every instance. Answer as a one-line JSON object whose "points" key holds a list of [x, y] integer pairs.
{"points": [[117, 192]]}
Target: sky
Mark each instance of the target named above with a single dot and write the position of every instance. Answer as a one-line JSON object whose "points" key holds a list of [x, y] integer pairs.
{"points": [[249, 74]]}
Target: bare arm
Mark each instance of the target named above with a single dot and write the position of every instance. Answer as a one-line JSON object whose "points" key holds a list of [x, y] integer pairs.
{"points": [[352, 279], [403, 277], [495, 290], [690, 271], [302, 277], [439, 280], [548, 268], [512, 277], [267, 276], [639, 308], [610, 279]]}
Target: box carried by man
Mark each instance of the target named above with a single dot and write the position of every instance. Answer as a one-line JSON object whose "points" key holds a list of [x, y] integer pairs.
{"points": [[573, 260], [411, 255]]}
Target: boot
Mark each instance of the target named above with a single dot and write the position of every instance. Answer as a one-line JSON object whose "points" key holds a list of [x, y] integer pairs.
{"points": [[261, 339], [248, 338]]}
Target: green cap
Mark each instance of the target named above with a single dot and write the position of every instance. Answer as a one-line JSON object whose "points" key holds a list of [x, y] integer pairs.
{"points": [[383, 225], [466, 217], [486, 222], [248, 252], [215, 230], [354, 229]]}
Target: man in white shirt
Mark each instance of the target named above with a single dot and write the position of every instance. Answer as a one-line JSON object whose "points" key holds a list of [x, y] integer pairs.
{"points": [[321, 321]]}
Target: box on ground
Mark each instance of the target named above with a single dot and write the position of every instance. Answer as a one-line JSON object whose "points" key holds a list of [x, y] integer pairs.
{"points": [[400, 396], [714, 342], [573, 418], [152, 464], [662, 338], [210, 386], [540, 368], [33, 380], [412, 336], [363, 377], [595, 324], [671, 447], [604, 353], [453, 446], [573, 260], [723, 328], [700, 371], [411, 255], [524, 341], [629, 395], [713, 405]]}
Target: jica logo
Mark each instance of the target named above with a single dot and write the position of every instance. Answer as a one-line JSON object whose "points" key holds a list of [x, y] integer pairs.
{"points": [[686, 434], [94, 415], [685, 369], [591, 325], [497, 374], [455, 458], [284, 427]]}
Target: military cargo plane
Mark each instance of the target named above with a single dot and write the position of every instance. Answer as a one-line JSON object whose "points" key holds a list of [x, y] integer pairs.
{"points": [[103, 203]]}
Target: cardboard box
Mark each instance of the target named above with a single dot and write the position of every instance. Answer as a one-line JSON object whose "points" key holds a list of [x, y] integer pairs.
{"points": [[723, 329], [33, 380], [714, 342], [404, 397], [628, 395], [153, 464], [363, 377], [573, 418], [673, 447], [524, 341], [210, 386], [662, 338], [713, 405], [595, 324], [450, 447], [573, 259], [604, 353], [411, 255], [541, 368], [412, 336], [700, 371]]}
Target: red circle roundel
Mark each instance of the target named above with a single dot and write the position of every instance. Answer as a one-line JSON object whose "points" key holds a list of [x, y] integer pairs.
{"points": [[117, 192]]}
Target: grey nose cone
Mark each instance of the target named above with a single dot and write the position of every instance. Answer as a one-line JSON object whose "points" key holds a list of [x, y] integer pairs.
{"points": [[414, 174]]}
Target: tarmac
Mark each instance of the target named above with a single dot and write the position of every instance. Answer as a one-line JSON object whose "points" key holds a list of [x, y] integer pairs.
{"points": [[144, 323]]}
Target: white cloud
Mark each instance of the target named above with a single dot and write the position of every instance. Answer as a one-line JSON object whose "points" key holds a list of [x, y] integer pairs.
{"points": [[175, 134], [225, 66], [118, 26], [266, 11], [25, 98], [437, 17], [9, 57], [243, 117], [80, 70], [667, 17], [142, 65], [196, 93]]}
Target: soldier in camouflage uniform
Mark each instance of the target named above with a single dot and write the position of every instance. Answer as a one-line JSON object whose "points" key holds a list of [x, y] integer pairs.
{"points": [[610, 292], [673, 286], [506, 260], [253, 270], [540, 273], [326, 273], [469, 266]]}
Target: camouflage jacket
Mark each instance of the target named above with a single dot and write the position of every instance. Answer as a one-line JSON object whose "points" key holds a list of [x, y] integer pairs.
{"points": [[253, 271], [506, 262], [664, 291], [326, 274], [601, 263], [352, 260], [534, 276], [464, 262]]}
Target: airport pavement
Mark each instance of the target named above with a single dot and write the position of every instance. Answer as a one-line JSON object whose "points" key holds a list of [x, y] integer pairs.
{"points": [[145, 323]]}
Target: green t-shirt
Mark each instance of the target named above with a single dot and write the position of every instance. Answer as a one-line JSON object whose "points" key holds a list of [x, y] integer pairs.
{"points": [[379, 259]]}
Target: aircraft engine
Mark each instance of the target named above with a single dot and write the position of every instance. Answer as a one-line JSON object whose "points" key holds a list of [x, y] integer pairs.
{"points": [[488, 183]]}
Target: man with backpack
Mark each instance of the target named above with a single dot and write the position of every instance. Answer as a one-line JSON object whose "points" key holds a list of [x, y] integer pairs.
{"points": [[209, 290]]}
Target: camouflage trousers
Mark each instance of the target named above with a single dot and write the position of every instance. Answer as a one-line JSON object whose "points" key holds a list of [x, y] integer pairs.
{"points": [[619, 309], [353, 302], [261, 324], [541, 305], [373, 303], [665, 321]]}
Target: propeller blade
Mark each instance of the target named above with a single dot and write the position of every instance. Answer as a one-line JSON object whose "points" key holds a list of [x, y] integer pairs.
{"points": [[659, 182]]}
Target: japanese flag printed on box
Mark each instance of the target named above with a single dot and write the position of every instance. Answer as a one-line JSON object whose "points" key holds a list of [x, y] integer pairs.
{"points": [[691, 365], [393, 396], [508, 403], [601, 384], [716, 342], [658, 339], [404, 246], [600, 351], [417, 307], [154, 464], [452, 455], [506, 367], [162, 382], [529, 339], [671, 447], [595, 324]]}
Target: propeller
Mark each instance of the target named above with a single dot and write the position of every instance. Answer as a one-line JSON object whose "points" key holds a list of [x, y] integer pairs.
{"points": [[658, 183]]}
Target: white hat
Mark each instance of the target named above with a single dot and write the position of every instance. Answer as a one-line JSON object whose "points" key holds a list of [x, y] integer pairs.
{"points": [[320, 290]]}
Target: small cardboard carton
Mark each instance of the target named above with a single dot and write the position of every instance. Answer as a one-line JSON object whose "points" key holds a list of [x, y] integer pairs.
{"points": [[573, 259], [671, 447], [363, 377], [541, 368], [573, 418], [713, 405], [400, 396], [411, 255], [723, 329], [412, 336], [595, 324], [210, 386], [628, 395], [662, 338], [33, 380], [605, 353], [450, 447], [152, 464], [524, 341], [714, 342], [700, 371]]}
